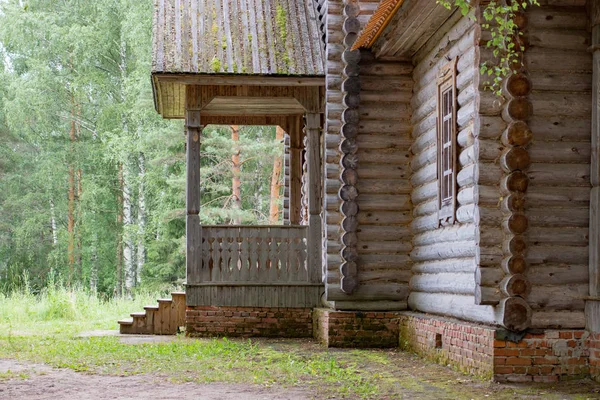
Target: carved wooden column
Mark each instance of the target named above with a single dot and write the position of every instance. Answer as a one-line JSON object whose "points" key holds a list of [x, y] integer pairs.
{"points": [[593, 303], [315, 224], [193, 230]]}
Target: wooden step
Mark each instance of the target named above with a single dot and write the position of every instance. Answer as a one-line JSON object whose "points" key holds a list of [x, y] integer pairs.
{"points": [[126, 326]]}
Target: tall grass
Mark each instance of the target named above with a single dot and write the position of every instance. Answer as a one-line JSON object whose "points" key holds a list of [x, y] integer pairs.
{"points": [[58, 308]]}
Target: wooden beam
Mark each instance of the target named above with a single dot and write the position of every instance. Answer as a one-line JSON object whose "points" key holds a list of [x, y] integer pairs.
{"points": [[593, 306], [193, 229], [315, 223], [295, 131], [230, 79]]}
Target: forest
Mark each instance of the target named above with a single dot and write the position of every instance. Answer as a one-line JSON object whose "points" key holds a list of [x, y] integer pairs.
{"points": [[92, 179]]}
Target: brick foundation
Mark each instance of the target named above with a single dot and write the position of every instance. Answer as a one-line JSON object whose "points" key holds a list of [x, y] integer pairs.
{"points": [[538, 356], [594, 362], [208, 321], [355, 328]]}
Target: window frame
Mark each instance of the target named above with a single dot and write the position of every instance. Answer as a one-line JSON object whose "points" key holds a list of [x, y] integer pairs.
{"points": [[446, 132]]}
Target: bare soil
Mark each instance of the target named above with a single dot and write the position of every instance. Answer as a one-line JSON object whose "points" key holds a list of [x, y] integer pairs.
{"points": [[38, 381]]}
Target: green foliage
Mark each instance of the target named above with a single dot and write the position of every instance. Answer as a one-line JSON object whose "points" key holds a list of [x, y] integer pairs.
{"points": [[499, 19], [89, 63]]}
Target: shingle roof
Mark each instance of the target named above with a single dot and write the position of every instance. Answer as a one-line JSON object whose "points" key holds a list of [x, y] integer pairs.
{"points": [[377, 23], [254, 37]]}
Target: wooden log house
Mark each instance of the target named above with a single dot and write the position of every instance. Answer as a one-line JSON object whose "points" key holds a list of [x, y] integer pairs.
{"points": [[462, 223]]}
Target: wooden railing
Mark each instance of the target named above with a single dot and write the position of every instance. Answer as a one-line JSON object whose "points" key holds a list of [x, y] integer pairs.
{"points": [[256, 254]]}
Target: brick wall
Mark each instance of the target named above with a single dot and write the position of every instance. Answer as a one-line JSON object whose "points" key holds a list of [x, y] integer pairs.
{"points": [[538, 356], [594, 362], [207, 321], [355, 328], [469, 348]]}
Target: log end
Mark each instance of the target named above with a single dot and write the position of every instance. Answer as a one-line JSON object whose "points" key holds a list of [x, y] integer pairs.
{"points": [[516, 314]]}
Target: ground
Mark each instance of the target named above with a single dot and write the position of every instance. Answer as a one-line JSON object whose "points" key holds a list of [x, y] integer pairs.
{"points": [[104, 365]]}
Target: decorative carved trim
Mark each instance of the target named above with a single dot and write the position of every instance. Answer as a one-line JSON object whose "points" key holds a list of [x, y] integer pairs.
{"points": [[348, 148]]}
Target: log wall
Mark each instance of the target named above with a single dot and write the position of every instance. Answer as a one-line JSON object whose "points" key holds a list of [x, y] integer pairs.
{"points": [[381, 146], [445, 258], [558, 196]]}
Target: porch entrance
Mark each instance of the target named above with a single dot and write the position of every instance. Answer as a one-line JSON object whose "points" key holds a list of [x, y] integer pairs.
{"points": [[268, 265]]}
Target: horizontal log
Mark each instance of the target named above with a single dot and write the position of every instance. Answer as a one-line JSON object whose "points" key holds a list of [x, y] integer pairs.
{"points": [[567, 83], [544, 196], [490, 127], [562, 297], [560, 152], [559, 174], [433, 252], [571, 319], [556, 60], [369, 233], [424, 193], [383, 202], [385, 260], [560, 128], [385, 126], [454, 233], [425, 223], [386, 69], [451, 305], [458, 283], [426, 208], [384, 217], [383, 156], [489, 276], [390, 291], [383, 247], [424, 175], [558, 217], [456, 265], [561, 236], [383, 172], [383, 186], [369, 305], [557, 254], [397, 141], [565, 39], [390, 111], [557, 18], [558, 274], [568, 104]]}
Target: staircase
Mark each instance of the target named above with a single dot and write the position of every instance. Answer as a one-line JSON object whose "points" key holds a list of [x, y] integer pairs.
{"points": [[164, 319]]}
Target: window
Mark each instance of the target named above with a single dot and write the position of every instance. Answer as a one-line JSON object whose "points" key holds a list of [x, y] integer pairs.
{"points": [[446, 134]]}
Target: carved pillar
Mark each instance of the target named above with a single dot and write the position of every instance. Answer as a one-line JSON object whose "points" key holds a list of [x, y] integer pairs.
{"points": [[193, 230], [593, 303], [315, 224]]}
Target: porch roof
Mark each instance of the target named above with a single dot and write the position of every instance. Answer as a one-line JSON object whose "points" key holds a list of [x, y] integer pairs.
{"points": [[238, 37]]}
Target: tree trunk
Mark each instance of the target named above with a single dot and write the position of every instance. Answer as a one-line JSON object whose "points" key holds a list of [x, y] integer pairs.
{"points": [[119, 280], [94, 265], [53, 224], [141, 248], [128, 261], [236, 183], [71, 205], [276, 181], [78, 224]]}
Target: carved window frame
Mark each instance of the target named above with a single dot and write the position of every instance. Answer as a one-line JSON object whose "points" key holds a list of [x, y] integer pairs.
{"points": [[446, 143]]}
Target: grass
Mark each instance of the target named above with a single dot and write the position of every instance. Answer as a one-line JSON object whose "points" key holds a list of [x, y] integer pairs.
{"points": [[45, 328]]}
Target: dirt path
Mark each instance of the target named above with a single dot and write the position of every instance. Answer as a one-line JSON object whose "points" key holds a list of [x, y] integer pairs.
{"points": [[38, 381]]}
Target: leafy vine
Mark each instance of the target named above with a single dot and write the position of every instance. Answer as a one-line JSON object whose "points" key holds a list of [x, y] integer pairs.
{"points": [[500, 19]]}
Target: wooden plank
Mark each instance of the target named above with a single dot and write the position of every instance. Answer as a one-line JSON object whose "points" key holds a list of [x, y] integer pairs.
{"points": [[313, 127], [593, 322]]}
